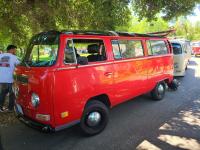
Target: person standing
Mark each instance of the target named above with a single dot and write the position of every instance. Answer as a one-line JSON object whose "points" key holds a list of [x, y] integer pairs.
{"points": [[8, 62]]}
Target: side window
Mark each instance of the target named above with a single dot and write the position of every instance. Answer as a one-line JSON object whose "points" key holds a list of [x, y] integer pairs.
{"points": [[149, 48], [89, 50], [158, 47], [116, 49], [177, 49], [69, 52], [138, 48], [127, 48]]}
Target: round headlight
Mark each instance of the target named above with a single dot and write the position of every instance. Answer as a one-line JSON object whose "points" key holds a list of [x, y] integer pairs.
{"points": [[35, 100]]}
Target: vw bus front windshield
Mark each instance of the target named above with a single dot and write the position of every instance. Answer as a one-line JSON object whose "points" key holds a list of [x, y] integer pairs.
{"points": [[42, 50], [176, 48]]}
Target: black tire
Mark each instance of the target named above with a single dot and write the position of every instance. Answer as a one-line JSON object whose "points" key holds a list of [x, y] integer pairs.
{"points": [[158, 94], [94, 107], [174, 85]]}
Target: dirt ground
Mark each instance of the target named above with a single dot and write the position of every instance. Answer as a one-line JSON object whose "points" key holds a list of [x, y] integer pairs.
{"points": [[7, 118]]}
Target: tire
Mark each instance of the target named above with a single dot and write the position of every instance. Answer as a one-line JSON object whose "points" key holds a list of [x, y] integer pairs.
{"points": [[94, 109], [174, 85], [158, 92]]}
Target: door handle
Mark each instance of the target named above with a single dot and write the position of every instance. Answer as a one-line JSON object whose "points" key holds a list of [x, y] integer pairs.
{"points": [[108, 73]]}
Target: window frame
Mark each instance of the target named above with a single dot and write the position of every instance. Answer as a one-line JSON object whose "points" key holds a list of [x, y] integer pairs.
{"points": [[75, 58], [118, 49], [152, 53], [86, 38]]}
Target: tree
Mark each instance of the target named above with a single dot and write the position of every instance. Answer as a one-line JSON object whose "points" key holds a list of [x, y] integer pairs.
{"points": [[187, 30], [143, 26], [169, 9], [20, 19]]}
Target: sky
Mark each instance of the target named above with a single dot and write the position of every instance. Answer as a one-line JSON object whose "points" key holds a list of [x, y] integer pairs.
{"points": [[196, 16]]}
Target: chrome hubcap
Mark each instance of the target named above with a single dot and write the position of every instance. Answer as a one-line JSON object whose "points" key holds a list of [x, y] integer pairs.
{"points": [[93, 118], [160, 89]]}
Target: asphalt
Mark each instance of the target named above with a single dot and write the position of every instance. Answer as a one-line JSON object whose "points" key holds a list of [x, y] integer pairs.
{"points": [[141, 123]]}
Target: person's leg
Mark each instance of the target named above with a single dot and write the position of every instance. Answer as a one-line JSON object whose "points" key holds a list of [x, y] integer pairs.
{"points": [[11, 97], [3, 93]]}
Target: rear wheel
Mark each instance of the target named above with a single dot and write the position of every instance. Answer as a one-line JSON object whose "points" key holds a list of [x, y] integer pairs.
{"points": [[94, 118], [158, 92]]}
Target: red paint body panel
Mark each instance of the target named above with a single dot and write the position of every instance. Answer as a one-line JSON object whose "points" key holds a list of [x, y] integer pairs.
{"points": [[40, 82], [196, 50], [67, 87]]}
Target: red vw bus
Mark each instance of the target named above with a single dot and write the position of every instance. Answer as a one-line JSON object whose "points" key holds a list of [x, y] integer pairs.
{"points": [[196, 48], [76, 77]]}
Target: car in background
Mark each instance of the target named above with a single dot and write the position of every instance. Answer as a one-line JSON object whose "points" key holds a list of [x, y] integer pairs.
{"points": [[182, 55], [196, 48]]}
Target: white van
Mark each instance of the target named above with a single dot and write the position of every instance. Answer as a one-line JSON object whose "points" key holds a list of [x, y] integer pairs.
{"points": [[182, 54]]}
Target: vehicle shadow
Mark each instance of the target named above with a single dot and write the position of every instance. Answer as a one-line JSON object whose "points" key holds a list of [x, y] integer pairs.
{"points": [[183, 130], [192, 63]]}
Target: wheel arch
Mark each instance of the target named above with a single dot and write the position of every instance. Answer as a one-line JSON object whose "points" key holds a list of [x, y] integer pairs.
{"points": [[102, 98]]}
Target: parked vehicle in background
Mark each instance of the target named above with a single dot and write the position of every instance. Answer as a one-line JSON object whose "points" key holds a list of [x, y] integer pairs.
{"points": [[63, 85], [196, 48], [182, 54]]}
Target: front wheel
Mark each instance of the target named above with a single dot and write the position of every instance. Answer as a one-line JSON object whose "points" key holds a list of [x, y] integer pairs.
{"points": [[94, 118], [158, 92]]}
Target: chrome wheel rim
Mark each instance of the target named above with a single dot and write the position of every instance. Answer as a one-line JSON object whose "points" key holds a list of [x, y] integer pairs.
{"points": [[93, 119], [160, 89]]}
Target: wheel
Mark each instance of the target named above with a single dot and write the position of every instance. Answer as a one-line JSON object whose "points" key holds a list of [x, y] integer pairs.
{"points": [[174, 85], [94, 118], [159, 91]]}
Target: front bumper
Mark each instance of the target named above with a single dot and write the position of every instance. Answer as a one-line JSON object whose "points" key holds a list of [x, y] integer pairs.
{"points": [[33, 123]]}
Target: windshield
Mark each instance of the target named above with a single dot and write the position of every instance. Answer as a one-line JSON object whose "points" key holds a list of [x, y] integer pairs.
{"points": [[42, 50], [176, 48], [196, 44]]}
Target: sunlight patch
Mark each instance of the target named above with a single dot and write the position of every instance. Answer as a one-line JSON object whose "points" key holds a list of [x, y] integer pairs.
{"points": [[191, 119], [180, 142], [146, 145], [166, 126]]}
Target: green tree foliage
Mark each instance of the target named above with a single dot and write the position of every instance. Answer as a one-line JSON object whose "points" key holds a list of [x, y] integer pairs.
{"points": [[20, 19], [143, 26], [186, 29], [168, 8]]}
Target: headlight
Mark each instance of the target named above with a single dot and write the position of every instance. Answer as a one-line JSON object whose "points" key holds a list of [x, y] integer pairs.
{"points": [[35, 100]]}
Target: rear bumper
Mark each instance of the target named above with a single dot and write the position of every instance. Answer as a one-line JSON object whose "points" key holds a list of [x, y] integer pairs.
{"points": [[179, 73]]}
